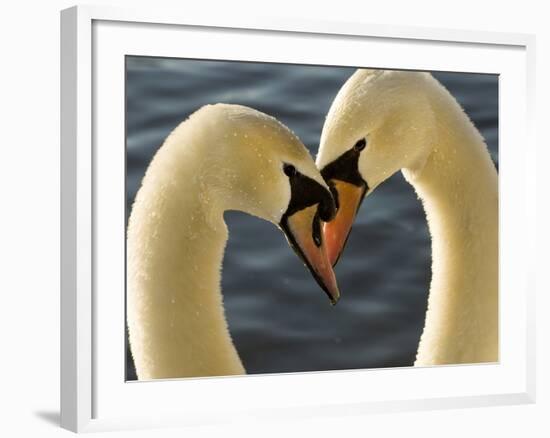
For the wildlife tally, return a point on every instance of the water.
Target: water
(279, 318)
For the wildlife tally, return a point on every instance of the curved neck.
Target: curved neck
(458, 187)
(176, 243)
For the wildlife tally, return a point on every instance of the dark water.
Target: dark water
(279, 318)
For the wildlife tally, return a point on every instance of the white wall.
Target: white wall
(29, 219)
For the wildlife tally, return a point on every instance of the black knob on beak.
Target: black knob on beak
(327, 207)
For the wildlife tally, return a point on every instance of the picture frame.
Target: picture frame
(94, 396)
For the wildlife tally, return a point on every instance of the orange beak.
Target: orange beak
(303, 231)
(336, 232)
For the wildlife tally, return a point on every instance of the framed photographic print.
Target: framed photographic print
(267, 208)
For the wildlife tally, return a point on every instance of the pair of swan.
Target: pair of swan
(229, 157)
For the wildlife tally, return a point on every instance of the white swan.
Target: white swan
(224, 157)
(383, 121)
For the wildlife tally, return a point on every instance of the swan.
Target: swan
(223, 157)
(383, 121)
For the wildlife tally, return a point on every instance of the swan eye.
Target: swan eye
(360, 145)
(289, 170)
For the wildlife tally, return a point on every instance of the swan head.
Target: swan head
(380, 122)
(259, 166)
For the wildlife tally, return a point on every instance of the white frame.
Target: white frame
(78, 197)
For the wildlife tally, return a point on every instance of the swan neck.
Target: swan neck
(176, 243)
(458, 187)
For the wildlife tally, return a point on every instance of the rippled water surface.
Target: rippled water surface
(279, 318)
